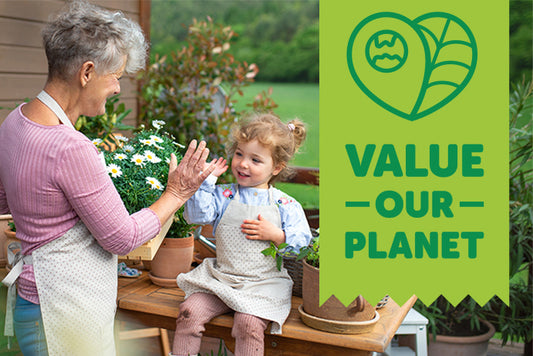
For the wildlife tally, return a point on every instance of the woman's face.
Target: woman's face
(101, 87)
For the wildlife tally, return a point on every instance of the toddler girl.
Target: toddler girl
(245, 216)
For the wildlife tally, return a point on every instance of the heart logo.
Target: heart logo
(412, 68)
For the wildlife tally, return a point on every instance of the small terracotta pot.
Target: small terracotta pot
(461, 345)
(332, 309)
(173, 257)
(11, 236)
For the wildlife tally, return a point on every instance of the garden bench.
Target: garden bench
(153, 306)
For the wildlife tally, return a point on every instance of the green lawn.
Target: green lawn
(294, 100)
(301, 101)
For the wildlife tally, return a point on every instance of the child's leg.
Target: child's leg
(249, 334)
(195, 311)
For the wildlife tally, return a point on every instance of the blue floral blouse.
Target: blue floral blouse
(209, 203)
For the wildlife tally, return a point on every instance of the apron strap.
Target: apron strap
(17, 261)
(236, 197)
(271, 195)
(50, 102)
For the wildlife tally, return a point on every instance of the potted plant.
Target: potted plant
(139, 169)
(175, 253)
(358, 311)
(332, 316)
(515, 321)
(447, 323)
(459, 330)
(10, 233)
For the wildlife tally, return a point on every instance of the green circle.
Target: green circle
(391, 50)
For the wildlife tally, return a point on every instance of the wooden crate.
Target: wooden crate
(148, 250)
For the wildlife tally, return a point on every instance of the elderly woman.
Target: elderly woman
(69, 217)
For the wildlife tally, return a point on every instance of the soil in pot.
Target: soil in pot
(173, 257)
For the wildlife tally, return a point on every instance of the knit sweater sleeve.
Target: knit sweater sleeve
(83, 178)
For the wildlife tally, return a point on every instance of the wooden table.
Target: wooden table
(141, 301)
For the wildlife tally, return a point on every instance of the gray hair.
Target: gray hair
(85, 32)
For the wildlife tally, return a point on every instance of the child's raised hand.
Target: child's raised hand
(220, 166)
(262, 229)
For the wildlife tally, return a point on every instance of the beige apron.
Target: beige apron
(241, 276)
(77, 285)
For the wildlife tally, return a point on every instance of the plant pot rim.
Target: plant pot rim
(468, 339)
(338, 326)
(178, 242)
(305, 263)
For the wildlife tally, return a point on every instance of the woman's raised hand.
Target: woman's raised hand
(184, 179)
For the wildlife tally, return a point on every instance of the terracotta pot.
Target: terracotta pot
(332, 309)
(10, 234)
(461, 345)
(173, 257)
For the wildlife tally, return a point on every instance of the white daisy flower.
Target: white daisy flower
(178, 144)
(97, 142)
(150, 156)
(167, 160)
(138, 159)
(158, 124)
(122, 138)
(147, 142)
(156, 139)
(114, 170)
(128, 148)
(154, 183)
(120, 156)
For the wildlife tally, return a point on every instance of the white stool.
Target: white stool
(414, 323)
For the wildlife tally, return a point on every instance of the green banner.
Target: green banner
(414, 150)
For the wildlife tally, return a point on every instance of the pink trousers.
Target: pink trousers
(200, 308)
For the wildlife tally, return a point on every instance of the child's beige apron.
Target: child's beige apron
(241, 276)
(77, 285)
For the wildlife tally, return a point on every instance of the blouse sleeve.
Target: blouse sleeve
(295, 225)
(87, 186)
(202, 207)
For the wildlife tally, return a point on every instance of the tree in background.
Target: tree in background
(281, 37)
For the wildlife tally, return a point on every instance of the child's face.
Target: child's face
(252, 165)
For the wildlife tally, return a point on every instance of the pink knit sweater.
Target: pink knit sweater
(50, 178)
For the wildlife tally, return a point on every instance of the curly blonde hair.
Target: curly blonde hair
(284, 140)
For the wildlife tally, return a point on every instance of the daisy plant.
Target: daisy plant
(139, 168)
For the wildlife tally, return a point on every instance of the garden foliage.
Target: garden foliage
(514, 321)
(193, 88)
